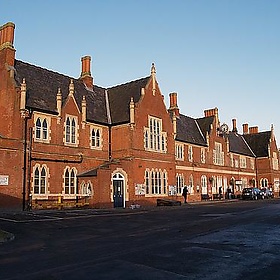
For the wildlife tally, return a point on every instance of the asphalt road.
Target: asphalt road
(234, 240)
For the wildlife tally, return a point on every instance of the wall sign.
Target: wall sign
(4, 180)
(140, 189)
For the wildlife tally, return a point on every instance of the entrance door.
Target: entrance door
(118, 187)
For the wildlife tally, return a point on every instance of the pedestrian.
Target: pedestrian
(220, 192)
(185, 193)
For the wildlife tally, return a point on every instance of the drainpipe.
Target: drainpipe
(26, 116)
(110, 142)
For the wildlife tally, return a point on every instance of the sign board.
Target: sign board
(4, 180)
(140, 189)
(238, 182)
(172, 190)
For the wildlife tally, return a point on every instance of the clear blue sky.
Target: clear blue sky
(213, 53)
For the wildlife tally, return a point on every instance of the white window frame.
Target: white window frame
(179, 151)
(42, 132)
(154, 137)
(70, 182)
(218, 154)
(71, 131)
(180, 183)
(96, 140)
(156, 182)
(243, 163)
(202, 155)
(190, 154)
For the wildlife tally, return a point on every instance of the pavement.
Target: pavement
(7, 236)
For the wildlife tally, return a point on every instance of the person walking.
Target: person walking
(185, 193)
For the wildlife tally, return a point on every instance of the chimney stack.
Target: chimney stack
(245, 128)
(173, 103)
(86, 74)
(253, 129)
(234, 128)
(6, 44)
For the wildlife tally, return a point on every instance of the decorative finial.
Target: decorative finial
(153, 69)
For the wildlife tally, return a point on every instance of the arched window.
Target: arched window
(73, 131)
(38, 128)
(70, 181)
(95, 137)
(203, 184)
(155, 182)
(70, 130)
(45, 129)
(179, 183)
(40, 180)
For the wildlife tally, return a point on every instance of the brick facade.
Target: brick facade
(68, 142)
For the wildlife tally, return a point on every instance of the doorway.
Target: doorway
(118, 190)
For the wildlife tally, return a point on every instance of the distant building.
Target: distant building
(65, 141)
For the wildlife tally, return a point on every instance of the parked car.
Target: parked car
(267, 193)
(252, 193)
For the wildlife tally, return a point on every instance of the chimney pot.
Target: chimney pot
(245, 128)
(234, 128)
(173, 103)
(86, 74)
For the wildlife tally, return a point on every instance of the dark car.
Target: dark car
(267, 193)
(252, 193)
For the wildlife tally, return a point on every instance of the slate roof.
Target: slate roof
(205, 124)
(238, 145)
(42, 87)
(119, 99)
(188, 130)
(259, 142)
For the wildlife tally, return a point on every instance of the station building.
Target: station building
(67, 142)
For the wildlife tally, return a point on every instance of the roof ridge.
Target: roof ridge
(127, 83)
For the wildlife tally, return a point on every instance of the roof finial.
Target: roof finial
(153, 69)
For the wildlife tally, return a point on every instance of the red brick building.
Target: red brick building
(65, 141)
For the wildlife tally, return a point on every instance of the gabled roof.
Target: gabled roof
(259, 142)
(188, 130)
(205, 124)
(42, 87)
(120, 96)
(238, 145)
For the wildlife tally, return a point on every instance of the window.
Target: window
(40, 180)
(190, 153)
(70, 181)
(156, 182)
(41, 129)
(95, 138)
(179, 151)
(218, 154)
(202, 155)
(252, 163)
(203, 184)
(86, 189)
(154, 137)
(263, 183)
(191, 187)
(274, 161)
(180, 183)
(71, 130)
(243, 162)
(231, 160)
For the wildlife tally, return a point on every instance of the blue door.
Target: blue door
(118, 188)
